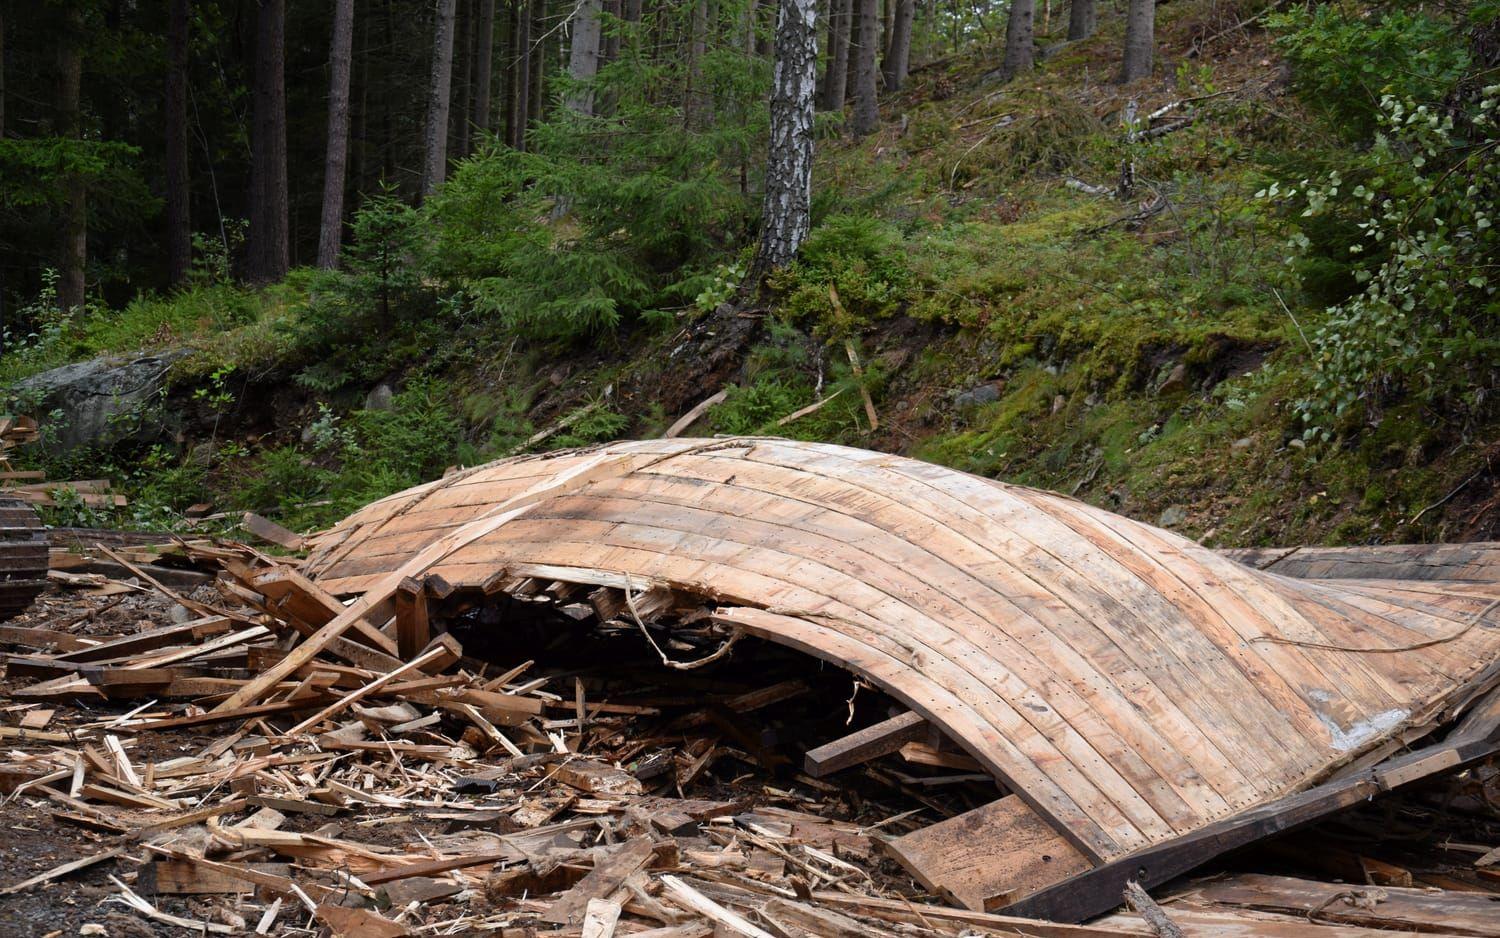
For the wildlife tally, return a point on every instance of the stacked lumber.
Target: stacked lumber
(29, 485)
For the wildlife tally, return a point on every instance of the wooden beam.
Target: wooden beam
(1099, 890)
(313, 607)
(872, 742)
(271, 532)
(413, 627)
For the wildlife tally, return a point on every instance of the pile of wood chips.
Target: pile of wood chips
(561, 814)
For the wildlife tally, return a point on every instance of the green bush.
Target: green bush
(1427, 323)
(862, 259)
(1345, 60)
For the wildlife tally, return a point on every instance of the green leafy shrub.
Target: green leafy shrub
(1427, 323)
(1345, 60)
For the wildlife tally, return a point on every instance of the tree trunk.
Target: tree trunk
(484, 64)
(179, 220)
(1018, 38)
(439, 91)
(836, 77)
(2, 72)
(697, 105)
(520, 84)
(537, 110)
(866, 112)
(786, 212)
(1081, 20)
(340, 58)
(73, 256)
(610, 51)
(898, 52)
(1140, 26)
(463, 52)
(583, 56)
(269, 251)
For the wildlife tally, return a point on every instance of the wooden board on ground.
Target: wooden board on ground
(989, 857)
(1457, 913)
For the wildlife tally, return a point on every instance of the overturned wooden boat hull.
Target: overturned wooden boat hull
(1127, 686)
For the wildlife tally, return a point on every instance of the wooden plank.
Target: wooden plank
(413, 629)
(151, 639)
(1098, 890)
(57, 872)
(345, 701)
(989, 857)
(188, 878)
(609, 873)
(271, 532)
(1424, 910)
(861, 746)
(42, 638)
(308, 603)
(1474, 562)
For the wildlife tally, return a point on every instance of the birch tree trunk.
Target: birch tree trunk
(1018, 37)
(1140, 28)
(340, 58)
(1082, 19)
(179, 222)
(836, 75)
(269, 250)
(484, 66)
(866, 111)
(73, 256)
(898, 51)
(439, 90)
(583, 55)
(786, 212)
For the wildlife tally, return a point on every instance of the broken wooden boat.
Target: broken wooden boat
(1142, 702)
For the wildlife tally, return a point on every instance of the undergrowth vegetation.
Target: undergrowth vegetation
(1287, 328)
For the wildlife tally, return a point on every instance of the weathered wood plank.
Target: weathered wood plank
(861, 746)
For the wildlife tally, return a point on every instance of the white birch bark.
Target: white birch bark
(786, 212)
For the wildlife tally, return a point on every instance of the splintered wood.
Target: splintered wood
(589, 694)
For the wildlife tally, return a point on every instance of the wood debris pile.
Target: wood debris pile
(431, 778)
(30, 485)
(544, 807)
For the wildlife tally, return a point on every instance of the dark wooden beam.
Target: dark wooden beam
(872, 742)
(1099, 890)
